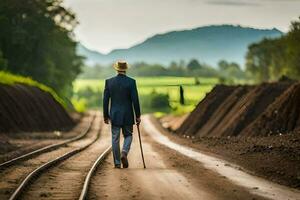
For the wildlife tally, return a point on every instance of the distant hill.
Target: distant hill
(208, 44)
(92, 57)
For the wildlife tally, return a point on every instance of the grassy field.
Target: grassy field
(167, 85)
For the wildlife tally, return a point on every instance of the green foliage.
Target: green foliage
(97, 71)
(36, 41)
(229, 72)
(140, 69)
(3, 62)
(261, 60)
(205, 71)
(197, 82)
(144, 69)
(272, 58)
(178, 109)
(92, 97)
(10, 79)
(193, 65)
(79, 105)
(293, 50)
(155, 102)
(159, 100)
(226, 80)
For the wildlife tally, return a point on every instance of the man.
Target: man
(124, 105)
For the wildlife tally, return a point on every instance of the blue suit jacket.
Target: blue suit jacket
(122, 94)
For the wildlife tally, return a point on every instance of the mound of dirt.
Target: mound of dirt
(229, 111)
(5, 145)
(26, 108)
(172, 122)
(224, 113)
(282, 116)
(205, 109)
(243, 109)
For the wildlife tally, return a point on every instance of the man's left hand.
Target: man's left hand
(106, 120)
(138, 120)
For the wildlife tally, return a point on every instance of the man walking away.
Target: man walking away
(120, 106)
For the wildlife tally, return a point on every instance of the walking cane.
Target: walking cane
(138, 128)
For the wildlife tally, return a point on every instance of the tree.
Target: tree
(173, 65)
(3, 62)
(293, 50)
(159, 100)
(230, 70)
(258, 60)
(272, 58)
(193, 65)
(197, 82)
(36, 40)
(176, 69)
(223, 65)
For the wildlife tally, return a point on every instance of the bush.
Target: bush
(197, 82)
(79, 105)
(93, 98)
(159, 101)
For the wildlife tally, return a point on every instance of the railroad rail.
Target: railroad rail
(35, 173)
(48, 148)
(87, 180)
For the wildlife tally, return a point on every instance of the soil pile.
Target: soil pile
(282, 116)
(205, 109)
(26, 109)
(172, 122)
(265, 120)
(224, 113)
(245, 111)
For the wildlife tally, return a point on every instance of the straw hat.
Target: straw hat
(121, 66)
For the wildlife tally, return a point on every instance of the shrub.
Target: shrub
(93, 98)
(79, 105)
(159, 101)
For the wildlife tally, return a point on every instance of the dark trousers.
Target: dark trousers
(127, 133)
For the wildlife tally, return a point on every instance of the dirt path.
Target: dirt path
(169, 175)
(234, 173)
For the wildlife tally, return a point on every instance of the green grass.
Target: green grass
(79, 105)
(170, 85)
(11, 79)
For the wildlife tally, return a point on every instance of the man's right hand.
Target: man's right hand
(138, 120)
(106, 120)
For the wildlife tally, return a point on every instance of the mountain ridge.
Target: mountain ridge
(208, 44)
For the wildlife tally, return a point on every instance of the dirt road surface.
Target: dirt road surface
(172, 173)
(169, 175)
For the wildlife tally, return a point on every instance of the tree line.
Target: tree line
(226, 71)
(36, 40)
(270, 59)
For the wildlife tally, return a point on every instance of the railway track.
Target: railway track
(47, 148)
(88, 178)
(21, 175)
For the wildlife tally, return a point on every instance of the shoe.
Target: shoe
(124, 160)
(118, 166)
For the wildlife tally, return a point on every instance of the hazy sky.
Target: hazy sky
(109, 24)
